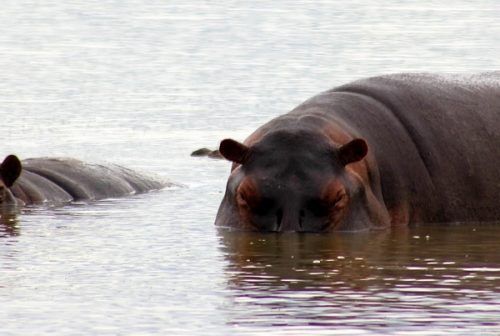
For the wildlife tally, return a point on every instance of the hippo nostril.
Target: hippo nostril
(279, 218)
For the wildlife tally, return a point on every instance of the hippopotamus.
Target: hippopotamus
(381, 152)
(210, 153)
(63, 180)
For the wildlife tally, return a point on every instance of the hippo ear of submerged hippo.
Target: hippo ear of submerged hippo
(352, 151)
(234, 151)
(10, 169)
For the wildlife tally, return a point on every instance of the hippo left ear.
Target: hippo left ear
(10, 169)
(353, 151)
(233, 151)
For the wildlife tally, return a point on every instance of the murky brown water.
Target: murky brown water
(142, 84)
(407, 280)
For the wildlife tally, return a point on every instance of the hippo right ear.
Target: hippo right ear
(353, 151)
(233, 151)
(10, 169)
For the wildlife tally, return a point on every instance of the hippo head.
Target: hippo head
(298, 181)
(10, 169)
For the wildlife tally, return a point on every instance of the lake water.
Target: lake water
(142, 84)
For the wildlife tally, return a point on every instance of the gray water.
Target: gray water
(142, 84)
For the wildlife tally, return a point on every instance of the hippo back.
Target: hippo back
(435, 138)
(59, 180)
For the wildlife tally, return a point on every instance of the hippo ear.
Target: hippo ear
(10, 169)
(233, 151)
(352, 151)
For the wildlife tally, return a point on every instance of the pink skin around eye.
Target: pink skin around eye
(246, 198)
(335, 196)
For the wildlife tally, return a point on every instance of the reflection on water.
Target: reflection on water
(366, 280)
(9, 226)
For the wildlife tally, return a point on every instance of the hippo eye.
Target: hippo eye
(317, 207)
(263, 206)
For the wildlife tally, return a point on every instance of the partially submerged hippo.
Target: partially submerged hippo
(58, 181)
(378, 152)
(213, 154)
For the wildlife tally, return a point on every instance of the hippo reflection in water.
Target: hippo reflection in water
(379, 152)
(58, 181)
